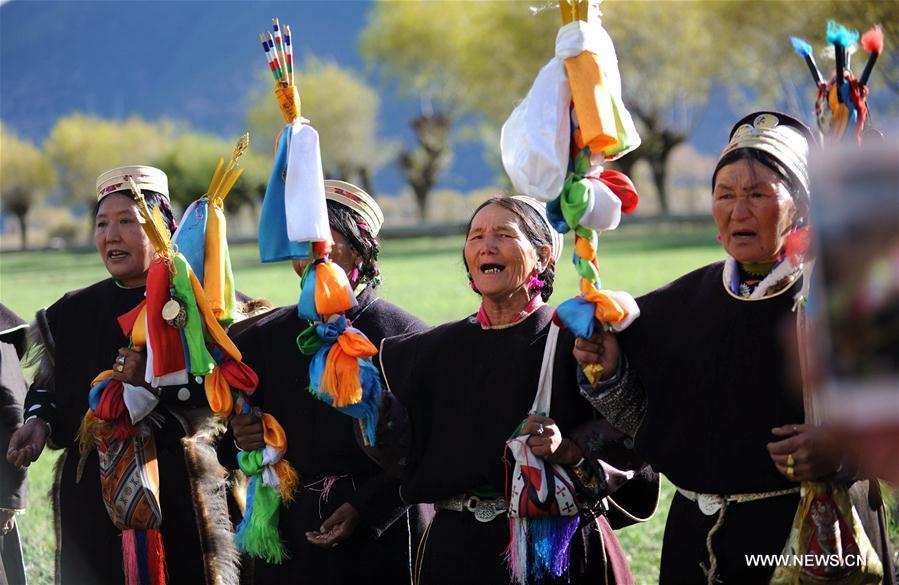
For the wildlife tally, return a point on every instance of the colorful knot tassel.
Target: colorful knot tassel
(143, 557)
(272, 482)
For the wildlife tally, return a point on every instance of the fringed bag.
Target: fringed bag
(543, 505)
(826, 528)
(129, 480)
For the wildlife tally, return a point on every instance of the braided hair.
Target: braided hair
(352, 227)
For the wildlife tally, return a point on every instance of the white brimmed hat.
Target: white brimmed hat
(149, 178)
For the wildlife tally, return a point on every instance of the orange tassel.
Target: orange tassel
(333, 293)
(340, 379)
(289, 479)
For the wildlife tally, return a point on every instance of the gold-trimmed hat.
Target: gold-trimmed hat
(782, 136)
(556, 241)
(149, 178)
(358, 200)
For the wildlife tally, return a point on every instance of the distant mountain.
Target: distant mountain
(194, 61)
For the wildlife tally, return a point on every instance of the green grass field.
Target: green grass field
(424, 275)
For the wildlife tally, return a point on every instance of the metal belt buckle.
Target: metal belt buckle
(484, 511)
(709, 504)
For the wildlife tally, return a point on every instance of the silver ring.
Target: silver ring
(120, 360)
(540, 430)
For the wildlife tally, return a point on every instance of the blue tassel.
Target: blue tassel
(577, 314)
(837, 33)
(141, 550)
(368, 408)
(802, 48)
(550, 540)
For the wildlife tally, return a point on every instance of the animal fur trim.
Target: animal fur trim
(57, 524)
(208, 485)
(41, 351)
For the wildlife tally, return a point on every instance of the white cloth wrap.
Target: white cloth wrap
(270, 456)
(629, 304)
(604, 210)
(139, 401)
(535, 139)
(304, 190)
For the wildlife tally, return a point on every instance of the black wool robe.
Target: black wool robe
(81, 337)
(716, 372)
(465, 390)
(720, 372)
(321, 446)
(12, 479)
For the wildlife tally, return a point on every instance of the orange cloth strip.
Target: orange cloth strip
(214, 262)
(273, 433)
(592, 102)
(139, 331)
(218, 393)
(212, 325)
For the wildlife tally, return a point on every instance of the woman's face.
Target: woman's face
(753, 210)
(498, 254)
(342, 253)
(124, 247)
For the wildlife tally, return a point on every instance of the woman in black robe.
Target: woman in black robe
(347, 523)
(458, 392)
(80, 336)
(705, 379)
(12, 479)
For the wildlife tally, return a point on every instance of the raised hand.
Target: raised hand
(248, 432)
(602, 348)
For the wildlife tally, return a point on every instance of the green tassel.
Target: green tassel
(260, 538)
(201, 362)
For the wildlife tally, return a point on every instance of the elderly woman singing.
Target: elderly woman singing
(704, 380)
(483, 418)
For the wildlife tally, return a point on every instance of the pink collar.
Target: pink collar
(535, 303)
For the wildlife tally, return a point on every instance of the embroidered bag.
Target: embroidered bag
(543, 505)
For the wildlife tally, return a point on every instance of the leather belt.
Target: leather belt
(484, 510)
